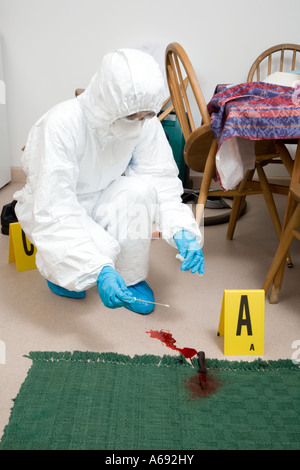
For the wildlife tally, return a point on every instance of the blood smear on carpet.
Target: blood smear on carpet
(167, 338)
(193, 384)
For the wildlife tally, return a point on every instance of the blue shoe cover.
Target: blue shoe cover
(64, 292)
(143, 292)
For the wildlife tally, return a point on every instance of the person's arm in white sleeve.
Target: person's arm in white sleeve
(153, 160)
(71, 247)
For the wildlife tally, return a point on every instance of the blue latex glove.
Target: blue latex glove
(114, 293)
(112, 289)
(190, 251)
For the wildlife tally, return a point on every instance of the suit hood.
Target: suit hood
(128, 81)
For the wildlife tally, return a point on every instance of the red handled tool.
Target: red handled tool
(202, 369)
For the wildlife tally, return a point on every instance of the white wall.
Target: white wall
(5, 171)
(51, 47)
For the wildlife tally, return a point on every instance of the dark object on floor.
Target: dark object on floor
(8, 216)
(202, 369)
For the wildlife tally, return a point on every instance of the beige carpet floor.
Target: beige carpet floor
(32, 318)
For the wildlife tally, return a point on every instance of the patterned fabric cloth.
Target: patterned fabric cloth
(255, 111)
(243, 113)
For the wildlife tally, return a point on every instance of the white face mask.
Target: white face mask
(125, 129)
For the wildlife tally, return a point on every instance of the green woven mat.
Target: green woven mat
(85, 400)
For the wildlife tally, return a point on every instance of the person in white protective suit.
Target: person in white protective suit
(100, 172)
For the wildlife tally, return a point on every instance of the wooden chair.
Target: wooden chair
(201, 147)
(282, 57)
(286, 61)
(288, 234)
(279, 58)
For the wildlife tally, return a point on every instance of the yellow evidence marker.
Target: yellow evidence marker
(20, 250)
(242, 322)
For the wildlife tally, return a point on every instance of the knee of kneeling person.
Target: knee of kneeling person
(142, 192)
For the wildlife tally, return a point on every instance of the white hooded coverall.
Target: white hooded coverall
(79, 176)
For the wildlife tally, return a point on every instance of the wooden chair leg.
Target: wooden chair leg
(237, 205)
(282, 249)
(206, 181)
(278, 278)
(271, 205)
(285, 157)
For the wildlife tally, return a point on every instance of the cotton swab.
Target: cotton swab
(149, 302)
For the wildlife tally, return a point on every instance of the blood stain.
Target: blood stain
(193, 384)
(195, 389)
(167, 338)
